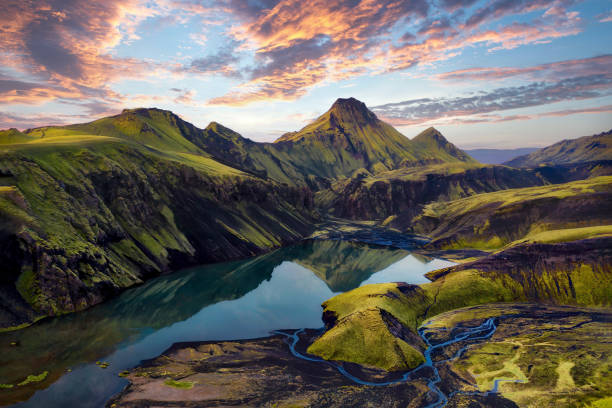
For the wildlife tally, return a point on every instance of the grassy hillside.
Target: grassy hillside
(362, 324)
(346, 138)
(11, 136)
(86, 215)
(349, 137)
(583, 149)
(432, 147)
(156, 128)
(538, 214)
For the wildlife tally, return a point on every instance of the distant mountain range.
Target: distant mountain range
(498, 156)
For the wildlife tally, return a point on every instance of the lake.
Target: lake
(235, 300)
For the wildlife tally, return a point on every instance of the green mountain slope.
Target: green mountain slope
(349, 137)
(552, 213)
(432, 147)
(375, 325)
(156, 128)
(10, 136)
(85, 216)
(583, 149)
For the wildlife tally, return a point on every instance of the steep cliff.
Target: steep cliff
(402, 193)
(83, 220)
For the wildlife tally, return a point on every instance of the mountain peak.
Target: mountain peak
(147, 112)
(351, 109)
(431, 133)
(433, 140)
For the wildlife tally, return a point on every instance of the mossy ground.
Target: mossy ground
(104, 205)
(546, 214)
(355, 335)
(549, 359)
(183, 385)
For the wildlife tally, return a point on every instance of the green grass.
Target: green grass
(360, 336)
(582, 149)
(507, 197)
(565, 235)
(34, 378)
(365, 340)
(182, 385)
(546, 214)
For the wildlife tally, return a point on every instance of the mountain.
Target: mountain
(346, 138)
(88, 210)
(432, 147)
(583, 149)
(152, 127)
(349, 137)
(498, 156)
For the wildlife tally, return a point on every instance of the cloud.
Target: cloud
(64, 46)
(184, 96)
(298, 45)
(495, 118)
(28, 121)
(534, 94)
(605, 18)
(560, 69)
(223, 62)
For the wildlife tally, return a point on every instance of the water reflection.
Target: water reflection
(283, 289)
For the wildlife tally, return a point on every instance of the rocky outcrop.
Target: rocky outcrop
(404, 195)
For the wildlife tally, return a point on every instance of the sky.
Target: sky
(497, 74)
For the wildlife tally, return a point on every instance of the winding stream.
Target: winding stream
(481, 332)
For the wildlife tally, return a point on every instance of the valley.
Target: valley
(426, 262)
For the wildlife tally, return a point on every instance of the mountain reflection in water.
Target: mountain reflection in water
(242, 299)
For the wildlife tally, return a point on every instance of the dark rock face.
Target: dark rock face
(85, 237)
(405, 197)
(400, 331)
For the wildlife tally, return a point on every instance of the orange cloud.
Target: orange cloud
(293, 38)
(65, 47)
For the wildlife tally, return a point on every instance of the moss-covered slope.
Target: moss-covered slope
(349, 137)
(562, 212)
(575, 273)
(83, 220)
(583, 149)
